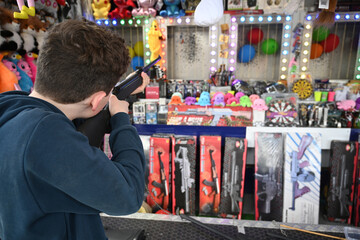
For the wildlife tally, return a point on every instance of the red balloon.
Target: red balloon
(254, 36)
(330, 43)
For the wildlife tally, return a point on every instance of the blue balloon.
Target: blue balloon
(246, 53)
(137, 62)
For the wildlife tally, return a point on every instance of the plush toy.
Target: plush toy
(24, 10)
(245, 101)
(122, 9)
(27, 32)
(232, 102)
(24, 66)
(204, 99)
(253, 97)
(25, 81)
(101, 8)
(190, 101)
(357, 104)
(228, 96)
(218, 99)
(40, 31)
(172, 9)
(30, 59)
(176, 100)
(146, 8)
(155, 37)
(346, 105)
(238, 95)
(259, 105)
(10, 31)
(8, 79)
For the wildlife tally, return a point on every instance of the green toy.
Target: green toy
(320, 34)
(269, 46)
(245, 101)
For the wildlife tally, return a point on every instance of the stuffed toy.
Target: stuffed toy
(24, 66)
(172, 9)
(155, 37)
(30, 59)
(25, 81)
(27, 32)
(40, 30)
(101, 8)
(146, 8)
(24, 10)
(8, 79)
(208, 12)
(122, 9)
(10, 29)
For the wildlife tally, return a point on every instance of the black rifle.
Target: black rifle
(163, 185)
(232, 185)
(215, 183)
(96, 127)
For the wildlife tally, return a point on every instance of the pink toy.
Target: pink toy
(30, 59)
(146, 8)
(12, 67)
(259, 105)
(253, 97)
(25, 67)
(228, 96)
(218, 99)
(346, 105)
(232, 101)
(238, 95)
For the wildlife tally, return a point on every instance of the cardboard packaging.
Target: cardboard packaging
(159, 173)
(233, 177)
(139, 116)
(269, 161)
(344, 158)
(183, 174)
(210, 175)
(302, 170)
(151, 113)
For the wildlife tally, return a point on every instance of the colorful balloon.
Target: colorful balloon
(316, 50)
(246, 53)
(131, 52)
(137, 62)
(330, 43)
(255, 36)
(320, 34)
(269, 46)
(139, 48)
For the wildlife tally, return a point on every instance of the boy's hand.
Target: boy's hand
(116, 105)
(146, 81)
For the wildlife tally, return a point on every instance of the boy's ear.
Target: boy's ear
(95, 99)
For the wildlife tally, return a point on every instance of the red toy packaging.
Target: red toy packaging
(183, 174)
(233, 177)
(210, 170)
(159, 173)
(344, 158)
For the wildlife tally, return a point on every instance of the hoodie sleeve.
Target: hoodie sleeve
(66, 174)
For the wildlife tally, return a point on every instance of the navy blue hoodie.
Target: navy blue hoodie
(53, 184)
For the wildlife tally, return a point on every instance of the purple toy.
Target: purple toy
(218, 99)
(238, 95)
(357, 103)
(190, 101)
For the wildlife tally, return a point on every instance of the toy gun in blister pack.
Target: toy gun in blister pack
(271, 188)
(96, 127)
(186, 180)
(215, 183)
(342, 191)
(163, 185)
(219, 113)
(298, 171)
(233, 186)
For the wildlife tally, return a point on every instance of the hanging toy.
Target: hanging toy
(303, 88)
(101, 8)
(24, 10)
(327, 16)
(155, 38)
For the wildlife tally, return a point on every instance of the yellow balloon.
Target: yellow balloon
(139, 49)
(131, 52)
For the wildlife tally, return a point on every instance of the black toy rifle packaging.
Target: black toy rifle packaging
(159, 173)
(344, 158)
(183, 174)
(233, 177)
(269, 161)
(210, 175)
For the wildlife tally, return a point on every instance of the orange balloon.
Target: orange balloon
(316, 50)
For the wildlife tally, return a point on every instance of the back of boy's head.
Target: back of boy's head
(79, 58)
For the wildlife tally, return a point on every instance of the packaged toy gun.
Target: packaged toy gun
(96, 127)
(186, 180)
(270, 188)
(215, 183)
(163, 185)
(233, 188)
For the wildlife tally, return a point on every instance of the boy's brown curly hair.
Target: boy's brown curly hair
(79, 58)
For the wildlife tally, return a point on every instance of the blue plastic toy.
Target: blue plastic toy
(172, 9)
(204, 99)
(246, 53)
